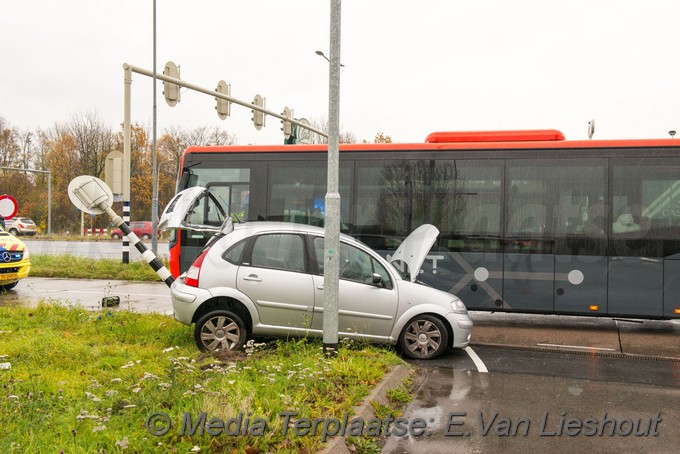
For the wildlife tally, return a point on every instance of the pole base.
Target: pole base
(330, 350)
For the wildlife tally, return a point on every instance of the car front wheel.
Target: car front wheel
(220, 330)
(115, 236)
(14, 232)
(424, 337)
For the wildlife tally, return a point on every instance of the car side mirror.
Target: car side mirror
(377, 279)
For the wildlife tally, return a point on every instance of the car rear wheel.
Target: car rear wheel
(14, 232)
(424, 337)
(115, 236)
(220, 330)
(146, 236)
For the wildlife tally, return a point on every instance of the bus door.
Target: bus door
(644, 199)
(556, 236)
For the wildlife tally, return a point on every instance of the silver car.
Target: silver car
(266, 279)
(21, 226)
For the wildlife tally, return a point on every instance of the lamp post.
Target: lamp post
(154, 196)
(331, 278)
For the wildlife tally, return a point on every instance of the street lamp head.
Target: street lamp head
(318, 52)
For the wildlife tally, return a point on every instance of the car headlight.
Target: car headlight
(458, 307)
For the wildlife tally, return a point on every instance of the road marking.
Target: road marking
(578, 347)
(477, 360)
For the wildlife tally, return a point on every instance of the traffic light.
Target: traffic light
(258, 117)
(287, 125)
(223, 106)
(170, 90)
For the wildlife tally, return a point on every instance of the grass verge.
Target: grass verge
(86, 382)
(75, 267)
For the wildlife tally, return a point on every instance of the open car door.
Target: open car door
(196, 209)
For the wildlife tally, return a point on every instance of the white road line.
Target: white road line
(477, 360)
(577, 347)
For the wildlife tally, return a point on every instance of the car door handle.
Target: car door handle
(252, 277)
(320, 287)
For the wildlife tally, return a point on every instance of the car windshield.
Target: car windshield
(399, 272)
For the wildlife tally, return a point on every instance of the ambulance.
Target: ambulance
(15, 261)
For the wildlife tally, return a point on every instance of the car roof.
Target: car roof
(256, 227)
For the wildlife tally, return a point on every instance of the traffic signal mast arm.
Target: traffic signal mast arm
(216, 94)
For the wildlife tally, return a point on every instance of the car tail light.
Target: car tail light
(191, 278)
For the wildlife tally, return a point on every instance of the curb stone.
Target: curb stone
(393, 379)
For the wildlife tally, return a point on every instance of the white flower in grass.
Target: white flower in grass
(169, 349)
(116, 380)
(164, 385)
(92, 396)
(195, 449)
(129, 364)
(149, 376)
(99, 428)
(136, 390)
(123, 443)
(111, 392)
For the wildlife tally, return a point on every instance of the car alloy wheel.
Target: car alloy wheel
(423, 337)
(220, 330)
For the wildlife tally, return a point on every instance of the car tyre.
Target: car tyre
(424, 337)
(220, 330)
(115, 236)
(14, 232)
(146, 236)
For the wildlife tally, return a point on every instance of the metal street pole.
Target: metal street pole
(126, 157)
(331, 280)
(154, 197)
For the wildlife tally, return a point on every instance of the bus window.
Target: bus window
(561, 201)
(646, 204)
(459, 197)
(297, 191)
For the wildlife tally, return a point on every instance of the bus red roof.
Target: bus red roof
(530, 135)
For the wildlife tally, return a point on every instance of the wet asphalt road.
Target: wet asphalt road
(544, 401)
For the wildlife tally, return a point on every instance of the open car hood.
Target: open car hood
(413, 250)
(196, 209)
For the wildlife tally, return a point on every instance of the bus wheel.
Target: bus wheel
(424, 337)
(220, 330)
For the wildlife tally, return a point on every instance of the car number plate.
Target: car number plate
(8, 276)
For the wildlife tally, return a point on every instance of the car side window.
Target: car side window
(235, 253)
(355, 264)
(279, 251)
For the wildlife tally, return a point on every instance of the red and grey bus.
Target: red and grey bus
(529, 221)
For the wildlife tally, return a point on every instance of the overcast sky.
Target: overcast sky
(410, 67)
